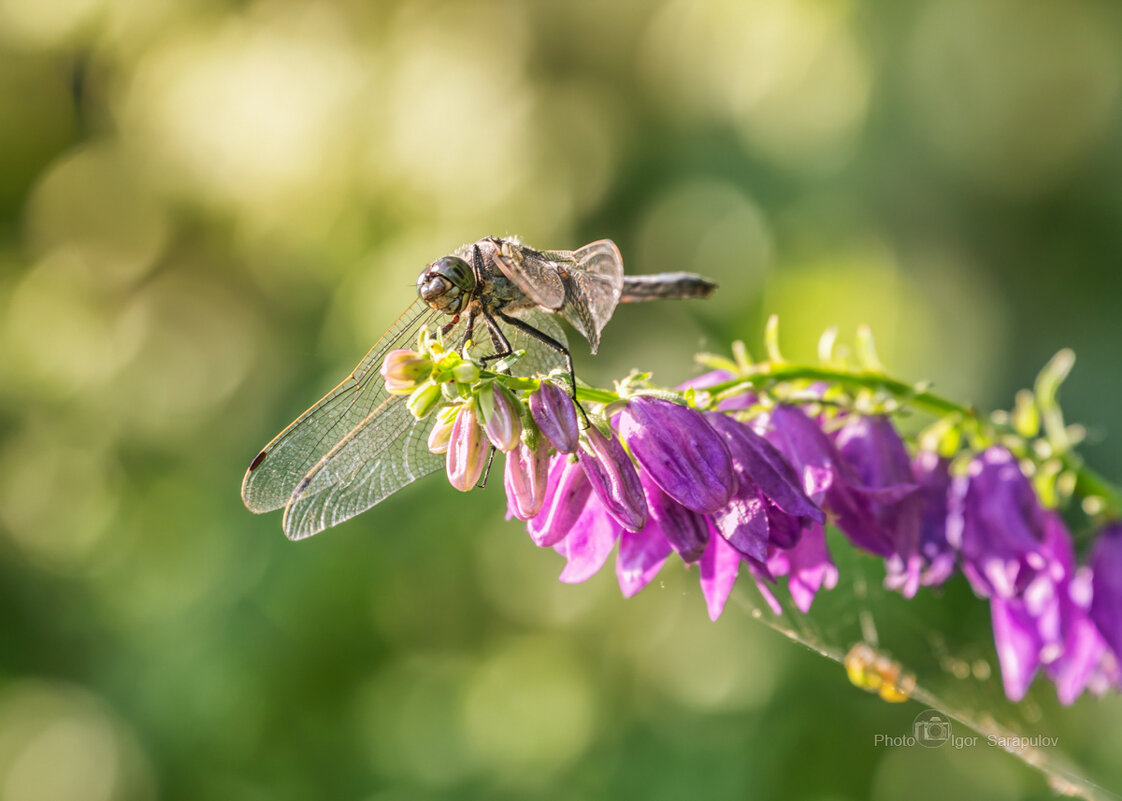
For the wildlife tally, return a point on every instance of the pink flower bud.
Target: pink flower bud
(501, 419)
(404, 370)
(467, 450)
(441, 433)
(556, 417)
(526, 479)
(614, 479)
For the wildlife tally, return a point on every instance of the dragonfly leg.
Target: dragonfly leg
(470, 328)
(487, 471)
(498, 339)
(557, 346)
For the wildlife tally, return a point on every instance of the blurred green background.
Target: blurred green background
(210, 210)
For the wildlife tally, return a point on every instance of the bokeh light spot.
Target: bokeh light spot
(59, 743)
(1014, 95)
(90, 203)
(529, 709)
(32, 23)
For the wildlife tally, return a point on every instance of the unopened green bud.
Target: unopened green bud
(442, 430)
(465, 372)
(424, 399)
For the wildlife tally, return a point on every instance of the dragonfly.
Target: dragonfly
(359, 444)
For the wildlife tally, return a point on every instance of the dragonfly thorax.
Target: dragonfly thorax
(446, 284)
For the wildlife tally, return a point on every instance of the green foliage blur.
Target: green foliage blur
(210, 210)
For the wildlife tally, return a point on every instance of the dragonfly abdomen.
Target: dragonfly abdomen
(637, 288)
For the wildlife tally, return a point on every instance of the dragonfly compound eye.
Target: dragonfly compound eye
(446, 284)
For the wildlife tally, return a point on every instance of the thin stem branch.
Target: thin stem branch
(1088, 483)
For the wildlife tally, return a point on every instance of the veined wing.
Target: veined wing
(279, 467)
(389, 448)
(593, 279)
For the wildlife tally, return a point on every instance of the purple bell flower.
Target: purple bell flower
(827, 478)
(685, 530)
(769, 504)
(683, 455)
(641, 555)
(996, 523)
(870, 445)
(807, 565)
(743, 521)
(1106, 600)
(565, 496)
(1076, 656)
(937, 557)
(1047, 626)
(1018, 643)
(614, 479)
(800, 439)
(555, 416)
(718, 569)
(589, 542)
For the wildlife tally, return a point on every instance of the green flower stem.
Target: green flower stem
(586, 393)
(1088, 483)
(919, 399)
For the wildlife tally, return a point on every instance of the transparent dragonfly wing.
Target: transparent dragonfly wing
(282, 464)
(388, 449)
(593, 279)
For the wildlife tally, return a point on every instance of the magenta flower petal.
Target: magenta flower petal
(555, 416)
(1082, 663)
(680, 451)
(996, 522)
(764, 579)
(808, 567)
(800, 439)
(565, 497)
(589, 543)
(871, 447)
(743, 520)
(614, 479)
(1047, 625)
(718, 569)
(769, 470)
(1018, 645)
(641, 555)
(526, 480)
(938, 558)
(687, 531)
(1106, 601)
(783, 530)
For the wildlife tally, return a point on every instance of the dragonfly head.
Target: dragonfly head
(446, 284)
